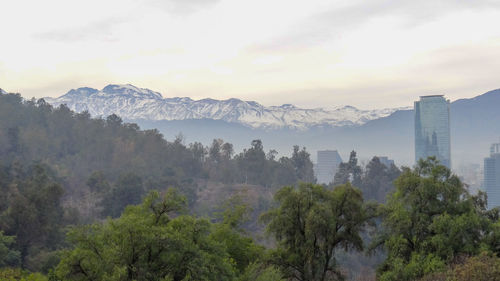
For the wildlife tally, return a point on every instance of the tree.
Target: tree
(147, 243)
(198, 151)
(8, 256)
(114, 121)
(227, 151)
(303, 164)
(13, 138)
(218, 162)
(284, 172)
(261, 272)
(311, 224)
(428, 221)
(253, 164)
(377, 182)
(16, 274)
(128, 191)
(34, 216)
(241, 249)
(349, 172)
(483, 267)
(214, 152)
(98, 183)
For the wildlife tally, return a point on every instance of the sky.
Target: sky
(315, 53)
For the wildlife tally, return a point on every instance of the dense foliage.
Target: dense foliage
(375, 181)
(429, 220)
(32, 213)
(147, 243)
(483, 267)
(154, 241)
(311, 224)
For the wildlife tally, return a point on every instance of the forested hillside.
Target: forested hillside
(118, 159)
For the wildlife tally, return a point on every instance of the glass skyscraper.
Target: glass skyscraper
(432, 129)
(492, 176)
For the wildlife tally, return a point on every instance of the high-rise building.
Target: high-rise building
(327, 165)
(432, 129)
(492, 176)
(386, 161)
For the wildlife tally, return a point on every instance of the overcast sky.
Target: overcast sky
(370, 54)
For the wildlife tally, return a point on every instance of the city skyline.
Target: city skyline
(369, 55)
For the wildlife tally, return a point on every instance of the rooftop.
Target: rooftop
(431, 96)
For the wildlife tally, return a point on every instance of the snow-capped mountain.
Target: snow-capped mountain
(133, 103)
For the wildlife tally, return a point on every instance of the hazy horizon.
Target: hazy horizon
(315, 54)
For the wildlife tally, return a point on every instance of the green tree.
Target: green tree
(127, 191)
(98, 183)
(35, 215)
(428, 221)
(283, 172)
(311, 224)
(218, 163)
(229, 232)
(261, 272)
(349, 172)
(253, 164)
(483, 267)
(147, 243)
(16, 274)
(8, 256)
(378, 180)
(303, 164)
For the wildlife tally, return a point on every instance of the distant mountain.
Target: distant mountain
(135, 103)
(2, 91)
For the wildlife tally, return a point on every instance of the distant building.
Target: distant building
(471, 174)
(327, 165)
(432, 129)
(386, 161)
(492, 176)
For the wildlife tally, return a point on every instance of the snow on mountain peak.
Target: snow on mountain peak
(86, 91)
(288, 106)
(133, 103)
(131, 90)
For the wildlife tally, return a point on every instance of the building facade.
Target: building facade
(327, 166)
(386, 161)
(432, 129)
(492, 176)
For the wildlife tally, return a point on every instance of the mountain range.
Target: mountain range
(475, 123)
(133, 103)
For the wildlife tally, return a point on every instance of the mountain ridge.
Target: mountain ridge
(134, 103)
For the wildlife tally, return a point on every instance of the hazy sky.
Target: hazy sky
(367, 53)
